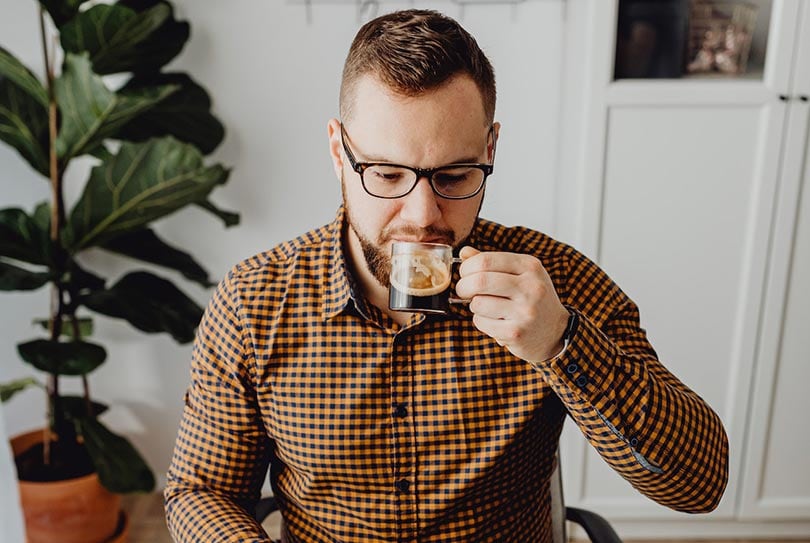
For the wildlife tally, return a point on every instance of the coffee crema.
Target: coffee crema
(419, 274)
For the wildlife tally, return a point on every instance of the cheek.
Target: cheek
(461, 215)
(373, 214)
(384, 213)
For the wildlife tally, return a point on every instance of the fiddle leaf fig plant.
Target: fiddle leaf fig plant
(148, 136)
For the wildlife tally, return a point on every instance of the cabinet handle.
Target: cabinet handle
(804, 98)
(784, 97)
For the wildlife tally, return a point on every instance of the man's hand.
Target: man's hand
(513, 301)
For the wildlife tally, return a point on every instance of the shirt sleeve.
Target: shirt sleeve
(222, 452)
(645, 423)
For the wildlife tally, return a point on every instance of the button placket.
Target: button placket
(400, 410)
(403, 485)
(402, 430)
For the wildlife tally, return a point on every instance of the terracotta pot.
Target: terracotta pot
(122, 531)
(76, 510)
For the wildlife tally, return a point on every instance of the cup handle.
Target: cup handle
(458, 260)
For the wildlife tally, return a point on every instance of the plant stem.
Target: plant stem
(57, 210)
(85, 384)
(55, 415)
(53, 380)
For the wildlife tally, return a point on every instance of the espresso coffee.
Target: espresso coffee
(420, 281)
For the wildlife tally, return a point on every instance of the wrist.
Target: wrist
(571, 322)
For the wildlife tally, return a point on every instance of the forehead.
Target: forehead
(432, 126)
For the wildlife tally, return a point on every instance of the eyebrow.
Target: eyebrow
(382, 160)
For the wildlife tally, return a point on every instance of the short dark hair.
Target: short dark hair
(413, 51)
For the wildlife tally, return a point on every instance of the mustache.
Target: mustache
(445, 235)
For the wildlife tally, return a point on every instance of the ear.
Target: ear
(335, 146)
(496, 129)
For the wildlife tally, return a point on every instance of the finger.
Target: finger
(491, 261)
(498, 284)
(492, 307)
(502, 331)
(468, 251)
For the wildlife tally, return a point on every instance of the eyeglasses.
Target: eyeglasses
(385, 180)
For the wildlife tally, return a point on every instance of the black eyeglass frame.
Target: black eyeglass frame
(428, 173)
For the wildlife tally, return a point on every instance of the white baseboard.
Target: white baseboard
(702, 529)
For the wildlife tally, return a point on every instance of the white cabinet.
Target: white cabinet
(777, 465)
(693, 194)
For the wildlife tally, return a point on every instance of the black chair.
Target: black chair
(598, 529)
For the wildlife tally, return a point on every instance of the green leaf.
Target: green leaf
(101, 152)
(137, 36)
(228, 217)
(85, 326)
(112, 35)
(186, 114)
(119, 466)
(42, 217)
(61, 11)
(81, 280)
(142, 183)
(8, 390)
(16, 72)
(23, 112)
(149, 303)
(163, 44)
(75, 407)
(73, 358)
(22, 237)
(145, 245)
(90, 111)
(15, 278)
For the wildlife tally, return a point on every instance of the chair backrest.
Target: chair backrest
(557, 504)
(596, 527)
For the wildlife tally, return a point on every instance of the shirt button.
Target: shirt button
(571, 369)
(582, 381)
(402, 485)
(400, 410)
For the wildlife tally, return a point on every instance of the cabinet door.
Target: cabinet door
(688, 192)
(677, 205)
(777, 472)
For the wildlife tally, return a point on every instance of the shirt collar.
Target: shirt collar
(339, 283)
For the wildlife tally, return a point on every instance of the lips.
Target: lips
(427, 240)
(429, 234)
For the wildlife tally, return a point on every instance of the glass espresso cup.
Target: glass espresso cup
(420, 277)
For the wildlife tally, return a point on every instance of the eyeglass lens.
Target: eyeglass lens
(390, 181)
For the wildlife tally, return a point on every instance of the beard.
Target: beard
(377, 257)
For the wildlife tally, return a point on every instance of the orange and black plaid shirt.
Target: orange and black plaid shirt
(425, 432)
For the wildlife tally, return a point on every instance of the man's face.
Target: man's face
(443, 126)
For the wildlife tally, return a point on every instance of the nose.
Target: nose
(420, 207)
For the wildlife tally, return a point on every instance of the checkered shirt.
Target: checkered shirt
(427, 432)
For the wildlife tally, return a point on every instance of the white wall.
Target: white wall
(11, 518)
(273, 73)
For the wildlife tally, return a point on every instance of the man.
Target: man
(387, 426)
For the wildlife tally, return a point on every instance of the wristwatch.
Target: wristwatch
(568, 336)
(570, 328)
